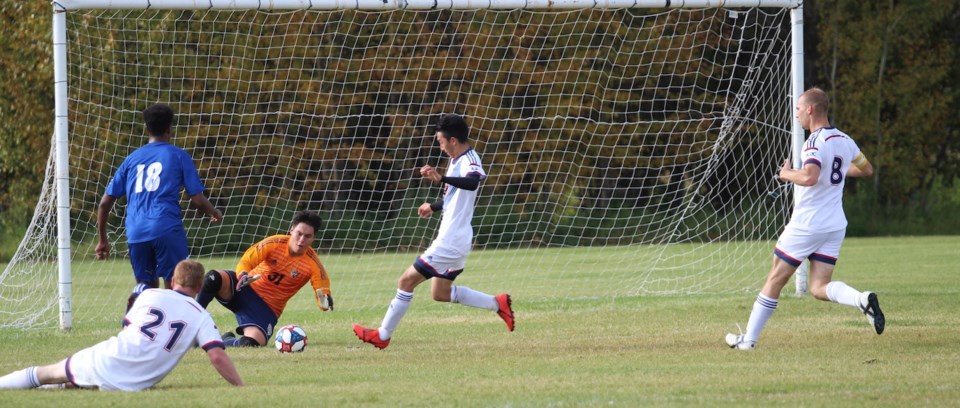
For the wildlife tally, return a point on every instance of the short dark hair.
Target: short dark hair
(158, 118)
(307, 217)
(453, 126)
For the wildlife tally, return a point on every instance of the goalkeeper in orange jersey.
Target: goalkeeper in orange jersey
(267, 276)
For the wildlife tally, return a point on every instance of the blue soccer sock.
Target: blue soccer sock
(234, 342)
(242, 341)
(137, 290)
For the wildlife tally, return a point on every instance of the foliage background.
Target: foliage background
(890, 67)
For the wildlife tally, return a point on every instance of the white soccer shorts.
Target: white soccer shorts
(795, 246)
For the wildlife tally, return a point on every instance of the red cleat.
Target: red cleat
(371, 336)
(505, 312)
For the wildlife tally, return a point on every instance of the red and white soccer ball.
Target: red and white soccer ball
(291, 339)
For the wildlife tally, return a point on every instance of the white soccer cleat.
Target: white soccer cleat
(736, 341)
(870, 307)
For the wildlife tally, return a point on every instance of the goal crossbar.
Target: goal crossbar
(413, 4)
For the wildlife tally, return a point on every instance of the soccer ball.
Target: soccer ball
(291, 339)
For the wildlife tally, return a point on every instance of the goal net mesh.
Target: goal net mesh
(629, 152)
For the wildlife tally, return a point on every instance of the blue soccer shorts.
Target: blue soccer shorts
(155, 259)
(251, 310)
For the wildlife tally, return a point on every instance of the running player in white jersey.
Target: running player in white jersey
(161, 326)
(446, 257)
(818, 224)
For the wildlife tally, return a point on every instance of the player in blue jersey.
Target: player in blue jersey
(151, 178)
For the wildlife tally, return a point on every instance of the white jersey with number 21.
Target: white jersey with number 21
(160, 328)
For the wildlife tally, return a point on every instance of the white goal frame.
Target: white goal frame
(62, 125)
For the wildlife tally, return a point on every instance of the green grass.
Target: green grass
(591, 351)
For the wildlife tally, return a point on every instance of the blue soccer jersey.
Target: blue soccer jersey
(151, 178)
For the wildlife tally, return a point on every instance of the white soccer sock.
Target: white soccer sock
(26, 378)
(469, 297)
(763, 308)
(398, 308)
(841, 293)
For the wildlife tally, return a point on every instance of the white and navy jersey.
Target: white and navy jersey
(819, 208)
(159, 329)
(456, 230)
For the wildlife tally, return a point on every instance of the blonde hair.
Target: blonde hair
(188, 274)
(817, 98)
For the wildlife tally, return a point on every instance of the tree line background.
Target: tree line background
(890, 67)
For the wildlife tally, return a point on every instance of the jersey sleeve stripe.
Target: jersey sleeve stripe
(272, 240)
(813, 161)
(213, 344)
(316, 260)
(70, 377)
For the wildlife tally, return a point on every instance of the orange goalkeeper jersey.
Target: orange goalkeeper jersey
(282, 275)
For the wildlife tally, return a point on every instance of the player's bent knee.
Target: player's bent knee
(212, 282)
(819, 294)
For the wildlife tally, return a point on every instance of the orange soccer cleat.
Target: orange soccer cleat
(371, 336)
(505, 311)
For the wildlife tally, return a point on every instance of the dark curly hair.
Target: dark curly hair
(308, 218)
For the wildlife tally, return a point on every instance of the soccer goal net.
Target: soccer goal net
(629, 151)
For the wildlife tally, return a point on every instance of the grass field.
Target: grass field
(586, 351)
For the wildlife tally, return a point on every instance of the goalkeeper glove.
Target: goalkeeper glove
(326, 301)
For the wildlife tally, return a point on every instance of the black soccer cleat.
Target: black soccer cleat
(871, 308)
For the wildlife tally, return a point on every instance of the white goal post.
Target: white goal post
(630, 144)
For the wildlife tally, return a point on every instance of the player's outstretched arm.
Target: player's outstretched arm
(324, 300)
(320, 280)
(103, 217)
(221, 361)
(201, 202)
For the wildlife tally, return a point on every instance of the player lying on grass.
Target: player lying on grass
(161, 326)
(269, 274)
